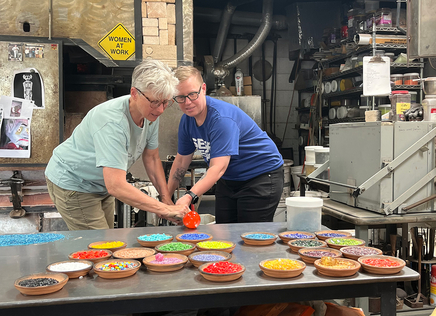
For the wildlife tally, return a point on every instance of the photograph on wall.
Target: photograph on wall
(28, 85)
(15, 52)
(15, 127)
(33, 51)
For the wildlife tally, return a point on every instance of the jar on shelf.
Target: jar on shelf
(354, 62)
(360, 23)
(335, 36)
(379, 52)
(429, 107)
(400, 102)
(384, 17)
(391, 56)
(411, 79)
(413, 96)
(370, 17)
(384, 108)
(397, 79)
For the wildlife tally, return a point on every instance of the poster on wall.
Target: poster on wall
(15, 52)
(28, 85)
(33, 51)
(15, 127)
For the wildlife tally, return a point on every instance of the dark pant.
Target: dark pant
(254, 200)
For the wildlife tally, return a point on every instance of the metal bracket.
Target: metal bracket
(395, 163)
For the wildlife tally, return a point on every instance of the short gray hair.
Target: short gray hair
(155, 77)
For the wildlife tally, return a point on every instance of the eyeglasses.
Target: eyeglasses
(156, 103)
(191, 96)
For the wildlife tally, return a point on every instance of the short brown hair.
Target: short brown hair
(185, 72)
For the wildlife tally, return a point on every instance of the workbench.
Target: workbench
(184, 289)
(362, 219)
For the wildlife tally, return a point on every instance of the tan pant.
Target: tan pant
(82, 211)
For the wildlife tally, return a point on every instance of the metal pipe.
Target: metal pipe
(222, 32)
(50, 17)
(258, 39)
(211, 15)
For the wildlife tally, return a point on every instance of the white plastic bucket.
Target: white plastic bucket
(304, 213)
(310, 153)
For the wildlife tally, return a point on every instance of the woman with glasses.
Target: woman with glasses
(243, 161)
(88, 171)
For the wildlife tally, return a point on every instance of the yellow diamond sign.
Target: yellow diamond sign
(119, 44)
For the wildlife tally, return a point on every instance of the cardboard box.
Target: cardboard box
(232, 90)
(248, 90)
(247, 81)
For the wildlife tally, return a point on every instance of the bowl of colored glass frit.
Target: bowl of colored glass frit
(310, 255)
(41, 283)
(337, 267)
(73, 268)
(198, 258)
(152, 240)
(183, 248)
(326, 234)
(165, 262)
(355, 252)
(282, 267)
(298, 244)
(339, 242)
(112, 245)
(292, 235)
(193, 237)
(116, 268)
(259, 238)
(91, 255)
(137, 253)
(221, 271)
(221, 245)
(379, 264)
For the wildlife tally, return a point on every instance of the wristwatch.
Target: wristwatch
(193, 195)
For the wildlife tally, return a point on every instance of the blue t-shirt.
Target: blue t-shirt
(229, 131)
(106, 137)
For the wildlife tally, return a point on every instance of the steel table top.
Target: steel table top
(186, 288)
(358, 216)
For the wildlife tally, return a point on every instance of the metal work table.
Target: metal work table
(362, 219)
(184, 289)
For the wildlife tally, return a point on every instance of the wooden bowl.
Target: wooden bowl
(88, 251)
(320, 234)
(134, 253)
(328, 271)
(381, 270)
(327, 252)
(72, 274)
(258, 242)
(359, 251)
(193, 241)
(95, 245)
(282, 274)
(186, 252)
(154, 243)
(286, 239)
(294, 248)
(165, 267)
(220, 277)
(228, 249)
(226, 257)
(62, 278)
(116, 274)
(330, 243)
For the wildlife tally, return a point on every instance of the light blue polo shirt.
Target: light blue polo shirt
(106, 137)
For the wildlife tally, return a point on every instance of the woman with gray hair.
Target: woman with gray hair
(88, 171)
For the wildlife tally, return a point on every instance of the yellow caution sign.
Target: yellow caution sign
(119, 44)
